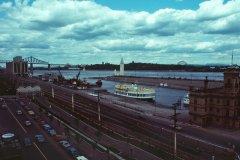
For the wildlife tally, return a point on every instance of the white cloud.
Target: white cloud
(86, 32)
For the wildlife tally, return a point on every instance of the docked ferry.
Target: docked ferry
(186, 100)
(135, 91)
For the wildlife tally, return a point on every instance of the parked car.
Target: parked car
(36, 117)
(73, 151)
(59, 137)
(177, 127)
(40, 138)
(81, 158)
(27, 123)
(27, 142)
(31, 113)
(19, 112)
(4, 106)
(46, 127)
(65, 143)
(27, 108)
(52, 132)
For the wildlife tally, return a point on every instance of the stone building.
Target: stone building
(217, 106)
(17, 67)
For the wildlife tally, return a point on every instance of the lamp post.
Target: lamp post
(99, 115)
(52, 92)
(72, 102)
(174, 117)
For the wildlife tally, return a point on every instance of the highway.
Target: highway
(10, 121)
(205, 142)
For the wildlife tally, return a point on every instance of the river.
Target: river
(164, 96)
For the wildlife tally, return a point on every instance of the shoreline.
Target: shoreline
(174, 83)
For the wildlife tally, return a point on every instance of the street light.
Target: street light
(73, 102)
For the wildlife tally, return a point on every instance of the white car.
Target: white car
(81, 158)
(19, 112)
(27, 123)
(31, 113)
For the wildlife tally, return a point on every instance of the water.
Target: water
(164, 96)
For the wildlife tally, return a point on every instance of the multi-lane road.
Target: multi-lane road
(14, 123)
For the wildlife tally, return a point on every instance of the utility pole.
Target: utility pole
(99, 116)
(174, 117)
(72, 102)
(175, 134)
(52, 92)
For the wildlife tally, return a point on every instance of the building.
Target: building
(217, 106)
(17, 67)
(121, 72)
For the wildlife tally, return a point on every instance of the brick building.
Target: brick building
(217, 106)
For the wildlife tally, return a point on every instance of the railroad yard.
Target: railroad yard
(104, 126)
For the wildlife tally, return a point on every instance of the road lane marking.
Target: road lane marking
(40, 151)
(17, 121)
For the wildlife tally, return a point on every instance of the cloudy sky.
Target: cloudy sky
(96, 31)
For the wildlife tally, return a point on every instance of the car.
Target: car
(4, 106)
(31, 113)
(177, 127)
(65, 143)
(40, 138)
(36, 117)
(73, 151)
(27, 142)
(59, 137)
(27, 123)
(52, 132)
(81, 158)
(19, 112)
(27, 108)
(46, 127)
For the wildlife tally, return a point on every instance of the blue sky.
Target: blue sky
(149, 5)
(152, 31)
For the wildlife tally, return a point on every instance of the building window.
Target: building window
(195, 108)
(211, 100)
(218, 110)
(194, 118)
(210, 109)
(195, 101)
(227, 103)
(218, 101)
(217, 119)
(227, 113)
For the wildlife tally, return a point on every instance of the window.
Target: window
(227, 103)
(195, 101)
(195, 108)
(218, 110)
(194, 118)
(218, 101)
(210, 109)
(227, 113)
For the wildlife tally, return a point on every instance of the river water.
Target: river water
(164, 96)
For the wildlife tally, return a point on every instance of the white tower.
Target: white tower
(121, 73)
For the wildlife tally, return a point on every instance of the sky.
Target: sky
(96, 31)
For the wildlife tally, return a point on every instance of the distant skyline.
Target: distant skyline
(96, 31)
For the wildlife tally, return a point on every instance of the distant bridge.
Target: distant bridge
(32, 60)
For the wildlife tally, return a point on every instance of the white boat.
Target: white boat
(134, 91)
(186, 100)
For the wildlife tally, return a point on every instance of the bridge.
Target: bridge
(32, 60)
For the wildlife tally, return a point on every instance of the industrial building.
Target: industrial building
(17, 67)
(217, 106)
